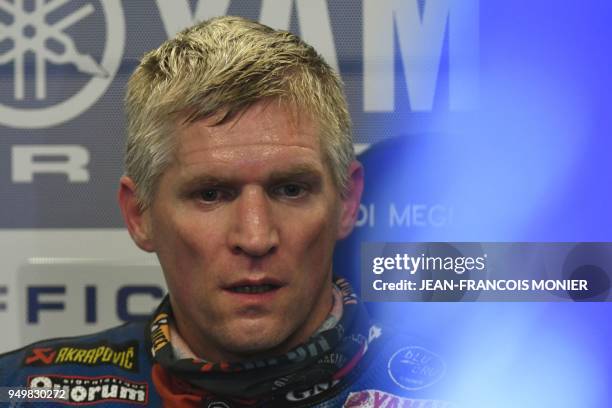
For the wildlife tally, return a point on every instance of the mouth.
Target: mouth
(252, 286)
(253, 289)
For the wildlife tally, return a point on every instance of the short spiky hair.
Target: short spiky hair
(224, 65)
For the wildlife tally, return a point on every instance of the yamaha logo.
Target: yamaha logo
(50, 36)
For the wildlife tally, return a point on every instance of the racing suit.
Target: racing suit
(354, 363)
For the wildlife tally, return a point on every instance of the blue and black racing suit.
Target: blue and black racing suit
(356, 363)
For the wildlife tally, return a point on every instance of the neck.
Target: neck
(197, 345)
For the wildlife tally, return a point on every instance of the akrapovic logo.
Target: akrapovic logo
(92, 390)
(122, 356)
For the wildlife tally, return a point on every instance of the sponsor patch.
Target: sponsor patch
(381, 399)
(373, 333)
(91, 390)
(124, 356)
(414, 368)
(218, 404)
(310, 392)
(160, 332)
(348, 296)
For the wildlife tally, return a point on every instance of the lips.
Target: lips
(253, 289)
(254, 286)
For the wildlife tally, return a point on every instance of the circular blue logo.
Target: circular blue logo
(414, 368)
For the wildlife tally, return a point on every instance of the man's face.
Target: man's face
(244, 222)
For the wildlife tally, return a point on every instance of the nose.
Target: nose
(253, 230)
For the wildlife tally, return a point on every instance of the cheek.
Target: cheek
(314, 234)
(325, 226)
(184, 245)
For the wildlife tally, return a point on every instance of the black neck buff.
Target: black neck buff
(328, 357)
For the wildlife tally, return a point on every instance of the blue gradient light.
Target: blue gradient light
(530, 164)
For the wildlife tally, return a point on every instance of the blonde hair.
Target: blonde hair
(224, 65)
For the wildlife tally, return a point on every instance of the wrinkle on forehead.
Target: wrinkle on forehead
(295, 127)
(263, 140)
(250, 161)
(255, 151)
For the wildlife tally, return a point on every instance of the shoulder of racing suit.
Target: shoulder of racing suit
(110, 366)
(114, 367)
(399, 370)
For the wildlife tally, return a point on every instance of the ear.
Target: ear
(136, 220)
(351, 200)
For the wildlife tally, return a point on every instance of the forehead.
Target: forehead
(267, 131)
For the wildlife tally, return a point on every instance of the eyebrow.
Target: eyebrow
(300, 171)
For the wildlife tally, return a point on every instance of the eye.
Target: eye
(212, 195)
(291, 190)
(209, 195)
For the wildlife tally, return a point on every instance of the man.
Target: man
(240, 175)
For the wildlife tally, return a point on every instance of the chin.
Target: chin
(255, 341)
